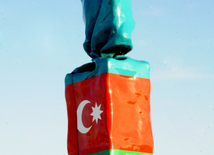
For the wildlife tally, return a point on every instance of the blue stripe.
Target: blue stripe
(122, 66)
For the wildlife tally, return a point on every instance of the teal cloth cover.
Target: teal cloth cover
(123, 66)
(108, 27)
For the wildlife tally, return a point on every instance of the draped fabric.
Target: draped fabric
(108, 27)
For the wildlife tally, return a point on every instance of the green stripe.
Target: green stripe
(119, 152)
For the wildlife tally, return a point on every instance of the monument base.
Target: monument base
(108, 104)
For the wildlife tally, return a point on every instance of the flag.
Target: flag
(112, 108)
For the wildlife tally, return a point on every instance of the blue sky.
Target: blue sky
(41, 41)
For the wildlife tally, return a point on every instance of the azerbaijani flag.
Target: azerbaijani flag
(108, 104)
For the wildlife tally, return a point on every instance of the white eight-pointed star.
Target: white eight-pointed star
(96, 113)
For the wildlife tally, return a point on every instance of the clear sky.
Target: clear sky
(41, 41)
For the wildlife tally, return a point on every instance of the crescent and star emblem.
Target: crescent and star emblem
(96, 115)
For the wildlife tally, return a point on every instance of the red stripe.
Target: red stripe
(72, 142)
(129, 125)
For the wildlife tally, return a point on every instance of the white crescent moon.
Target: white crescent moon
(80, 125)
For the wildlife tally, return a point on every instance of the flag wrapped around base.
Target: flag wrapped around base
(108, 104)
